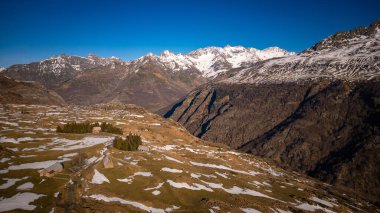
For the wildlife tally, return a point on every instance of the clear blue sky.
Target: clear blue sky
(32, 30)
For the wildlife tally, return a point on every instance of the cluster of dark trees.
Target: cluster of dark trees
(107, 127)
(130, 143)
(86, 127)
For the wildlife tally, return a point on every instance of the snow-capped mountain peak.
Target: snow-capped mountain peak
(150, 54)
(213, 60)
(350, 55)
(208, 61)
(167, 53)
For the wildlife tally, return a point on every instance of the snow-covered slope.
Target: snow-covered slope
(211, 61)
(352, 55)
(58, 64)
(54, 71)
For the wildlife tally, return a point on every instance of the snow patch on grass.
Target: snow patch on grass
(156, 192)
(198, 175)
(36, 165)
(19, 201)
(26, 186)
(165, 169)
(66, 144)
(18, 140)
(3, 160)
(99, 178)
(10, 182)
(129, 179)
(237, 190)
(126, 202)
(91, 160)
(172, 159)
(321, 201)
(249, 210)
(223, 175)
(156, 187)
(168, 147)
(312, 208)
(223, 167)
(195, 186)
(9, 123)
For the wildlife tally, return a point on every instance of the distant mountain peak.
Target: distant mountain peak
(209, 61)
(350, 55)
(167, 53)
(150, 54)
(344, 38)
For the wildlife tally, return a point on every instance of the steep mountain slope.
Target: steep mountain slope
(19, 92)
(178, 172)
(316, 112)
(151, 81)
(352, 55)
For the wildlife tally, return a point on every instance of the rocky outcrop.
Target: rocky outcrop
(327, 129)
(19, 92)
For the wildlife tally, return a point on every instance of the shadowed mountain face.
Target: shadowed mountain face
(316, 112)
(18, 92)
(329, 130)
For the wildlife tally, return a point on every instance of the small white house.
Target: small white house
(107, 161)
(143, 148)
(52, 170)
(96, 129)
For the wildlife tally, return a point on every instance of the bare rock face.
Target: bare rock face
(19, 92)
(329, 130)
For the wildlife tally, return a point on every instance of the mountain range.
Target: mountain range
(151, 81)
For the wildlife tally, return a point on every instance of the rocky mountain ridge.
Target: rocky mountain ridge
(316, 112)
(21, 92)
(351, 56)
(151, 81)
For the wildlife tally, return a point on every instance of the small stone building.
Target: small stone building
(96, 130)
(52, 170)
(143, 148)
(107, 161)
